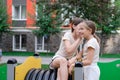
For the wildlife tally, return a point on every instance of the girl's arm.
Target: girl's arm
(79, 56)
(71, 48)
(89, 57)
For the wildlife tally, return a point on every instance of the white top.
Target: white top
(94, 44)
(61, 51)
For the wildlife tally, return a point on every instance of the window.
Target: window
(41, 44)
(19, 42)
(19, 12)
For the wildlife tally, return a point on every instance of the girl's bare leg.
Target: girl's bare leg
(58, 74)
(72, 60)
(61, 63)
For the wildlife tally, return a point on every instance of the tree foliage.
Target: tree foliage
(4, 26)
(48, 19)
(106, 13)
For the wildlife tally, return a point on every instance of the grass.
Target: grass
(117, 55)
(50, 54)
(3, 71)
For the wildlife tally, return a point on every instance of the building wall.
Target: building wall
(54, 42)
(9, 10)
(30, 11)
(30, 42)
(6, 42)
(18, 25)
(19, 2)
(111, 44)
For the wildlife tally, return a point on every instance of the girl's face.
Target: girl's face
(77, 30)
(84, 30)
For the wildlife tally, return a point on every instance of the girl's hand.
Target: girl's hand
(81, 36)
(68, 63)
(79, 56)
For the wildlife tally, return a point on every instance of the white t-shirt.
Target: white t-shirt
(92, 72)
(94, 44)
(61, 52)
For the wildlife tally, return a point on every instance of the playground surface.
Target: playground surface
(109, 67)
(45, 60)
(21, 59)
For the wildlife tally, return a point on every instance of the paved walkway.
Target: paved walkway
(45, 60)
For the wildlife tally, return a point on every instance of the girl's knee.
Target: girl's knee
(63, 61)
(58, 62)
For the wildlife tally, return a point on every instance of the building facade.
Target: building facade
(21, 13)
(23, 39)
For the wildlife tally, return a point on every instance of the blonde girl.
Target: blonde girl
(91, 50)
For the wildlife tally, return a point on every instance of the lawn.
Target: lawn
(117, 55)
(46, 54)
(50, 54)
(3, 71)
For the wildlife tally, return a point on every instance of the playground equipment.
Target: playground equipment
(110, 70)
(31, 70)
(39, 74)
(78, 71)
(18, 72)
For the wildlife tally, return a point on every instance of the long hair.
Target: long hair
(76, 21)
(92, 25)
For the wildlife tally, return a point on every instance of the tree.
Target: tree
(4, 26)
(48, 23)
(106, 13)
